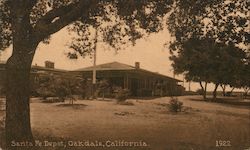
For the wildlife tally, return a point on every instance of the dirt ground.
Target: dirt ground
(147, 122)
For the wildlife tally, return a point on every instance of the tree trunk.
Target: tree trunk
(232, 90)
(204, 90)
(18, 126)
(18, 68)
(246, 90)
(223, 89)
(215, 92)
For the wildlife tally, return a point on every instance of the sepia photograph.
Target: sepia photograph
(124, 75)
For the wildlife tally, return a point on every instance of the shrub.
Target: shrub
(175, 105)
(62, 89)
(200, 91)
(45, 87)
(121, 94)
(102, 87)
(52, 100)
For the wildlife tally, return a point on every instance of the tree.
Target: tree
(208, 38)
(103, 85)
(73, 86)
(26, 23)
(62, 87)
(46, 86)
(194, 62)
(243, 80)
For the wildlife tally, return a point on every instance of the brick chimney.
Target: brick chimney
(137, 65)
(49, 64)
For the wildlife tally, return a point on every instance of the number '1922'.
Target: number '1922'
(222, 143)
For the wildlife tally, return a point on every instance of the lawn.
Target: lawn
(146, 124)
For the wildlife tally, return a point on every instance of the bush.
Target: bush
(62, 89)
(102, 87)
(52, 100)
(175, 105)
(45, 87)
(200, 91)
(228, 94)
(121, 94)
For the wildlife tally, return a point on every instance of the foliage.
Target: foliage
(243, 80)
(118, 21)
(61, 87)
(121, 94)
(46, 86)
(200, 91)
(103, 86)
(175, 105)
(208, 61)
(210, 40)
(52, 100)
(225, 21)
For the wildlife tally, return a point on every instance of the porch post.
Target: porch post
(125, 81)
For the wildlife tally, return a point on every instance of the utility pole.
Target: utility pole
(189, 86)
(183, 81)
(94, 65)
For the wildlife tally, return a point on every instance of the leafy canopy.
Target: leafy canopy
(210, 39)
(118, 21)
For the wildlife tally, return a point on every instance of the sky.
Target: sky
(150, 52)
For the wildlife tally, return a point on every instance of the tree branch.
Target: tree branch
(58, 18)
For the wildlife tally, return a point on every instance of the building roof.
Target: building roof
(48, 69)
(36, 68)
(108, 66)
(112, 66)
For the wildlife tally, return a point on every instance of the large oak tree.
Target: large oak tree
(24, 24)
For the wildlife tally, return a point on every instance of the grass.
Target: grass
(197, 127)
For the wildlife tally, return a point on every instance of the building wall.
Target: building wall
(139, 84)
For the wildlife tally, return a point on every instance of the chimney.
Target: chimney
(49, 64)
(137, 65)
